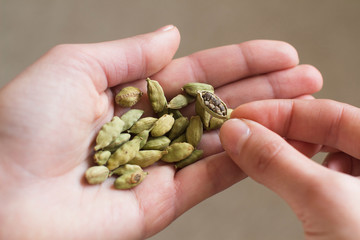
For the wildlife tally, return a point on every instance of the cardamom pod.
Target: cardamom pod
(144, 135)
(178, 152)
(212, 104)
(145, 158)
(180, 101)
(124, 154)
(162, 125)
(101, 157)
(193, 88)
(181, 138)
(156, 95)
(194, 131)
(121, 139)
(216, 123)
(96, 174)
(131, 117)
(130, 179)
(109, 132)
(194, 157)
(126, 168)
(142, 124)
(179, 127)
(175, 112)
(158, 143)
(128, 96)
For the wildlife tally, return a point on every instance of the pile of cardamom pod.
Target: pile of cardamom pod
(129, 143)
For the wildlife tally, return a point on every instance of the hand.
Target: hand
(51, 113)
(324, 198)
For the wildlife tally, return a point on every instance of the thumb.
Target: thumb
(270, 160)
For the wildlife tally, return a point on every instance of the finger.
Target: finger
(342, 162)
(121, 61)
(308, 149)
(268, 159)
(223, 65)
(315, 121)
(288, 83)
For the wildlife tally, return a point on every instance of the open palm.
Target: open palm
(51, 113)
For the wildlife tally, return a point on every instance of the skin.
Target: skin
(272, 141)
(51, 113)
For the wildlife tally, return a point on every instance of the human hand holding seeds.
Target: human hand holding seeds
(51, 113)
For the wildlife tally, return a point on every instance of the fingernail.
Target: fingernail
(233, 135)
(165, 28)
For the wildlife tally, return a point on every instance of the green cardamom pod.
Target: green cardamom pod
(162, 125)
(156, 95)
(216, 123)
(180, 101)
(194, 157)
(175, 112)
(194, 131)
(121, 139)
(178, 152)
(130, 179)
(142, 124)
(193, 88)
(145, 158)
(131, 117)
(124, 154)
(126, 168)
(179, 127)
(144, 135)
(109, 132)
(96, 174)
(212, 104)
(158, 143)
(181, 138)
(128, 96)
(101, 157)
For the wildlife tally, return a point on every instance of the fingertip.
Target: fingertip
(311, 77)
(232, 133)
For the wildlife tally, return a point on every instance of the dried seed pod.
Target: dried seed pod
(162, 125)
(181, 138)
(124, 154)
(96, 174)
(101, 157)
(158, 143)
(180, 101)
(145, 158)
(194, 131)
(120, 140)
(212, 104)
(126, 168)
(179, 127)
(216, 123)
(128, 96)
(156, 95)
(129, 180)
(194, 157)
(131, 117)
(144, 135)
(178, 152)
(142, 124)
(175, 112)
(109, 132)
(193, 88)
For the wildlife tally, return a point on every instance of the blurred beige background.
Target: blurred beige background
(326, 34)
